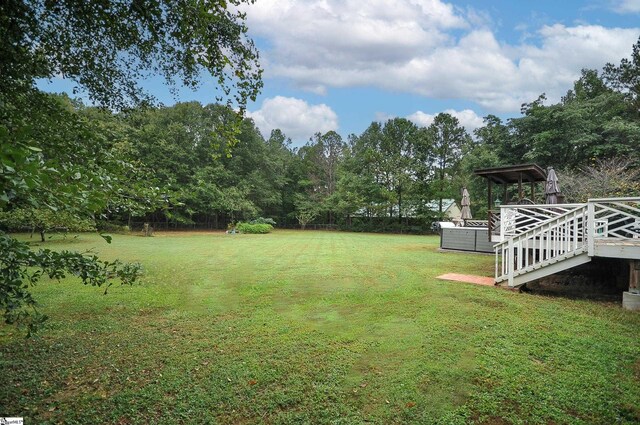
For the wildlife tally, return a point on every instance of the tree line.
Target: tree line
(394, 175)
(174, 166)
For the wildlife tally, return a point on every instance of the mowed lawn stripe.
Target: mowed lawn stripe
(314, 327)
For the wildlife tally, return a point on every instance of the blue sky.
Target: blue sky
(341, 64)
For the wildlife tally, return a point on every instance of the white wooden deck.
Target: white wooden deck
(617, 248)
(539, 240)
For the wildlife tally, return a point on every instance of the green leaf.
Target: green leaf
(106, 237)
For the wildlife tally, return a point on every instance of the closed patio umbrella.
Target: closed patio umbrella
(466, 202)
(551, 189)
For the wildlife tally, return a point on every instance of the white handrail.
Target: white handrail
(617, 218)
(627, 199)
(536, 244)
(558, 238)
(516, 219)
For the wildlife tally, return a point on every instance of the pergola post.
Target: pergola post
(519, 187)
(533, 192)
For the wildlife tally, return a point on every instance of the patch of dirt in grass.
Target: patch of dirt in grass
(630, 412)
(491, 420)
(485, 382)
(487, 302)
(164, 233)
(508, 406)
(72, 390)
(577, 415)
(636, 369)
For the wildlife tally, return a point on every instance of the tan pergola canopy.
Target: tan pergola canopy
(513, 174)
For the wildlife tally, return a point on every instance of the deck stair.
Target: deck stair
(541, 240)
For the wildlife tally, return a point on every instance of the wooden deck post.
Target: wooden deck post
(634, 276)
(511, 262)
(631, 298)
(590, 232)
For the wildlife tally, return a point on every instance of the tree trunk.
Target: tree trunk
(400, 206)
(42, 235)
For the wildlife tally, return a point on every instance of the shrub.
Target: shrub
(606, 178)
(254, 228)
(262, 220)
(107, 226)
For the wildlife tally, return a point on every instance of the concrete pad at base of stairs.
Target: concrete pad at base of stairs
(631, 301)
(467, 278)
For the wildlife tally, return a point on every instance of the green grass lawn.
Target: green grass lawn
(314, 327)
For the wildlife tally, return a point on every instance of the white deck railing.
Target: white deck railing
(614, 218)
(548, 242)
(517, 219)
(494, 223)
(530, 241)
(471, 222)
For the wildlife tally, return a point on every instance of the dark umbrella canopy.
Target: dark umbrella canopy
(551, 189)
(466, 202)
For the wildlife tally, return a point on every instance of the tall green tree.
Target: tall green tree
(625, 77)
(450, 142)
(254, 170)
(399, 137)
(106, 47)
(381, 170)
(211, 185)
(496, 139)
(287, 169)
(366, 164)
(591, 122)
(321, 158)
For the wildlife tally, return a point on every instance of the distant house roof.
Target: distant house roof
(513, 173)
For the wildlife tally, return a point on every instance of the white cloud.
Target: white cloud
(319, 33)
(427, 47)
(295, 117)
(467, 118)
(626, 6)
